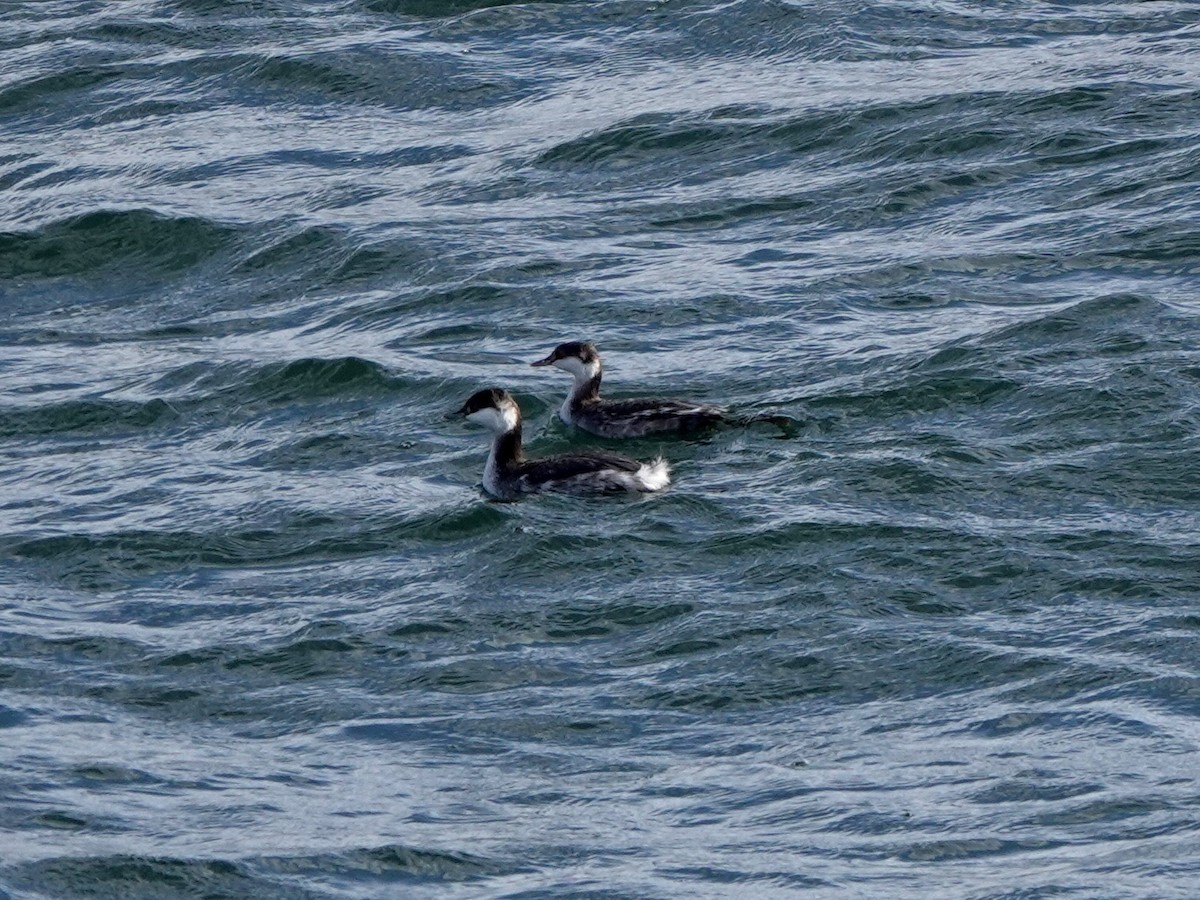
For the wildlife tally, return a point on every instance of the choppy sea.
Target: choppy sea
(262, 634)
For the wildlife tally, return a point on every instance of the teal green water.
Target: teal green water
(261, 633)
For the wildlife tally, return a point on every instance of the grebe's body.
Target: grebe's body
(508, 474)
(638, 417)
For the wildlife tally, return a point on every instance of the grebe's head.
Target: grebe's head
(580, 358)
(494, 409)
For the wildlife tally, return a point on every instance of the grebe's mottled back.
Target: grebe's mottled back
(508, 474)
(637, 417)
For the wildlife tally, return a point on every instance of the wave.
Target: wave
(269, 877)
(84, 415)
(441, 9)
(33, 92)
(231, 385)
(305, 379)
(195, 387)
(109, 241)
(95, 559)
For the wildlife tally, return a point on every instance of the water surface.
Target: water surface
(262, 635)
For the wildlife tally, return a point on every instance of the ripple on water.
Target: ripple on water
(94, 561)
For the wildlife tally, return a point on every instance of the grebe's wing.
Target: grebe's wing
(572, 465)
(660, 411)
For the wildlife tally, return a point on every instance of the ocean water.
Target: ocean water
(261, 633)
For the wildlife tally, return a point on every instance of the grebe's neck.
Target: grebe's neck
(506, 449)
(587, 383)
(585, 389)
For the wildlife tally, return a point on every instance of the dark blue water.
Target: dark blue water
(261, 634)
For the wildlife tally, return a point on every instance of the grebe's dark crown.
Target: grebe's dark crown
(582, 350)
(485, 399)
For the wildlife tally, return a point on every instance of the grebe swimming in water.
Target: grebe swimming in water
(508, 474)
(622, 418)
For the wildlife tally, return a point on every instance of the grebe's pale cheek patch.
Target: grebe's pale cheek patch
(577, 367)
(492, 419)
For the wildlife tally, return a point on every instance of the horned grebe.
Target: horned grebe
(508, 474)
(622, 418)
